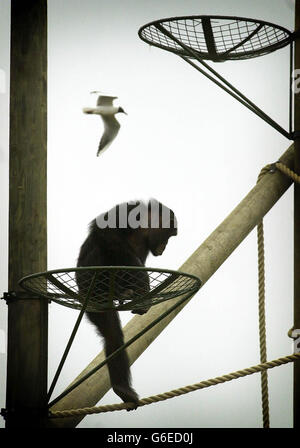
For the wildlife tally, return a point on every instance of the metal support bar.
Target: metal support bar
(73, 334)
(116, 352)
(233, 91)
(62, 287)
(240, 100)
(209, 38)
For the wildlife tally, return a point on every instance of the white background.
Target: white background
(191, 146)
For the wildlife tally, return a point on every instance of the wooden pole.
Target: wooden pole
(204, 262)
(27, 317)
(297, 220)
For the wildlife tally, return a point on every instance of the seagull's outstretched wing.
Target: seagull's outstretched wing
(104, 100)
(111, 129)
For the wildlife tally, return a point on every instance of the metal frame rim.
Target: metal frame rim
(191, 17)
(101, 268)
(205, 55)
(196, 283)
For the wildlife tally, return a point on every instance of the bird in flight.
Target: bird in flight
(107, 110)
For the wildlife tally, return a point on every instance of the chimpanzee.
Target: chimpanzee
(124, 236)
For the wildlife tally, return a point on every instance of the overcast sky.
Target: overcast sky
(191, 146)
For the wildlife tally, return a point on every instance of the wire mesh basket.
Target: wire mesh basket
(110, 287)
(217, 38)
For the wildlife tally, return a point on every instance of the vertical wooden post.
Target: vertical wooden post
(27, 317)
(297, 221)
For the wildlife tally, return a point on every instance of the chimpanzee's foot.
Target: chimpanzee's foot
(127, 394)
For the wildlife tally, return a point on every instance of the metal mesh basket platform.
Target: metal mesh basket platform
(110, 287)
(217, 38)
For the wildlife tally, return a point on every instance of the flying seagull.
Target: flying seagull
(107, 111)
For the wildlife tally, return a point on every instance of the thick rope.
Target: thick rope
(262, 315)
(261, 294)
(262, 324)
(180, 391)
(284, 169)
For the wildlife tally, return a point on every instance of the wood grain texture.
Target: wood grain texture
(27, 318)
